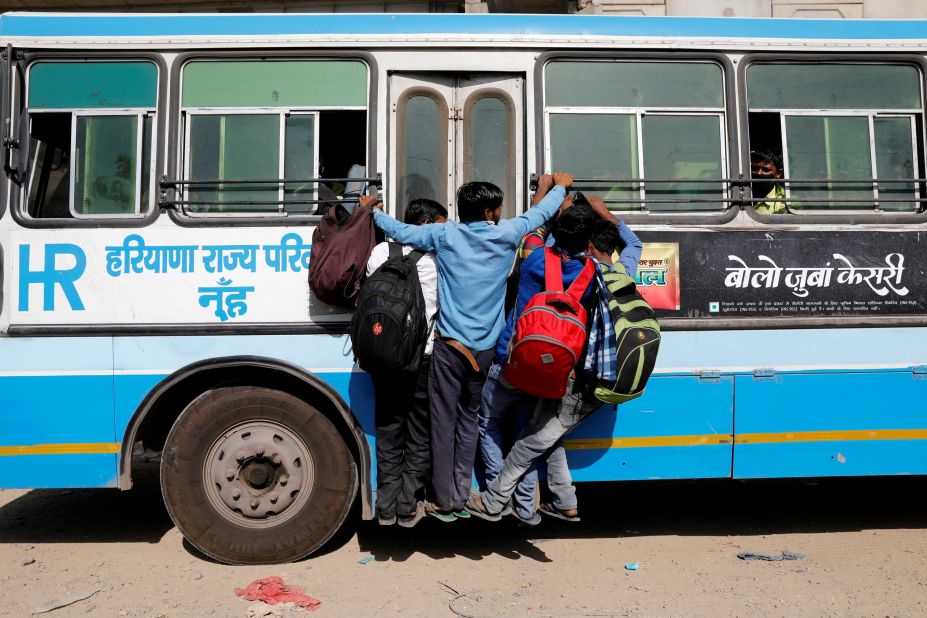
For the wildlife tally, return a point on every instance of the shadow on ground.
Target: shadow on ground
(609, 510)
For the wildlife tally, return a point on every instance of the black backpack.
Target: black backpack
(389, 328)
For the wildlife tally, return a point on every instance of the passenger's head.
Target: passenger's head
(422, 211)
(574, 228)
(605, 241)
(479, 201)
(766, 164)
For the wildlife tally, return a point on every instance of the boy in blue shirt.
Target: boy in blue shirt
(474, 258)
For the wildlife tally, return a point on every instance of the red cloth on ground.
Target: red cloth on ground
(272, 590)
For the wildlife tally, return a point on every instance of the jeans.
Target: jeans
(559, 479)
(549, 421)
(503, 415)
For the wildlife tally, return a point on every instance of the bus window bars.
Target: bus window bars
(739, 191)
(173, 192)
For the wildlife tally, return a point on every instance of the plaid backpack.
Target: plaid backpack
(637, 340)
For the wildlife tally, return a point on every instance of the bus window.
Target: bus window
(90, 139)
(250, 124)
(643, 135)
(846, 135)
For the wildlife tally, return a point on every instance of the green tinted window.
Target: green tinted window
(679, 148)
(299, 161)
(87, 85)
(105, 164)
(234, 147)
(598, 146)
(833, 86)
(304, 83)
(634, 84)
(894, 160)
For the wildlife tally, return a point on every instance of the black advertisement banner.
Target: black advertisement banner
(780, 274)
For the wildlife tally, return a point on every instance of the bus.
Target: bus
(163, 175)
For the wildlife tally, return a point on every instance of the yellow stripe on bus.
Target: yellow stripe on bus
(648, 441)
(88, 448)
(832, 436)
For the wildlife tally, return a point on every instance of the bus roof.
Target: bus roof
(68, 25)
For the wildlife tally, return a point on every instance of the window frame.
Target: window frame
(20, 113)
(176, 134)
(729, 126)
(140, 114)
(834, 216)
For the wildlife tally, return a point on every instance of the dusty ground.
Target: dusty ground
(864, 541)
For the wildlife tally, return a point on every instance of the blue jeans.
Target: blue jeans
(503, 415)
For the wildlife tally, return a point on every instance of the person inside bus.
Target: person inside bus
(550, 420)
(766, 168)
(402, 416)
(474, 257)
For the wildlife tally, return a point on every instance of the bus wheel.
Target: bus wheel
(255, 476)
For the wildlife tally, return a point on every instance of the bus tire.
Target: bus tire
(252, 475)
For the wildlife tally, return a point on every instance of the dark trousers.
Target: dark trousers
(403, 440)
(455, 391)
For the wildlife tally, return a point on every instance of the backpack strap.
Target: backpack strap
(415, 255)
(553, 271)
(395, 250)
(582, 281)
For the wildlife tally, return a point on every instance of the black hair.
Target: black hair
(767, 155)
(605, 237)
(475, 198)
(574, 228)
(423, 210)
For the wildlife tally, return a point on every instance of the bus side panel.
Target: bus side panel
(680, 428)
(56, 413)
(831, 424)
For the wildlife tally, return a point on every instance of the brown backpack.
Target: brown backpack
(339, 255)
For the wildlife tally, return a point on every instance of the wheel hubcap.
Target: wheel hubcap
(258, 474)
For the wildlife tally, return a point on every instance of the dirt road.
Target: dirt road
(864, 542)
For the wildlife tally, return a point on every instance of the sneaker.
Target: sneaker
(386, 521)
(432, 510)
(462, 514)
(408, 521)
(533, 520)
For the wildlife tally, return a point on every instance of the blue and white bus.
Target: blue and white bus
(163, 175)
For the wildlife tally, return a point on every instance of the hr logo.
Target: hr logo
(63, 265)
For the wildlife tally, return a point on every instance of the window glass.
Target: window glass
(299, 161)
(274, 83)
(598, 146)
(894, 160)
(821, 147)
(234, 147)
(682, 148)
(833, 86)
(422, 135)
(86, 85)
(633, 84)
(490, 150)
(106, 165)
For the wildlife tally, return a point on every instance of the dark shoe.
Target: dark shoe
(432, 510)
(533, 520)
(408, 521)
(571, 515)
(476, 507)
(386, 521)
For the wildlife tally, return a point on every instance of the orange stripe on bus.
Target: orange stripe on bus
(88, 448)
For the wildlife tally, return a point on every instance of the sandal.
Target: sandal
(432, 510)
(552, 511)
(476, 507)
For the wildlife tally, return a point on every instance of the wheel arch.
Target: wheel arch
(165, 402)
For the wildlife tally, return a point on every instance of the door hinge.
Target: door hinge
(764, 375)
(920, 372)
(455, 113)
(709, 376)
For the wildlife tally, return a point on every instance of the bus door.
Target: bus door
(450, 128)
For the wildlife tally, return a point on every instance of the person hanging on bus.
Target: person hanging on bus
(766, 168)
(550, 419)
(403, 426)
(474, 258)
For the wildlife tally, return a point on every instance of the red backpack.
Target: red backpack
(340, 250)
(550, 334)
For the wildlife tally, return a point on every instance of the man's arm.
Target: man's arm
(420, 236)
(540, 214)
(631, 254)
